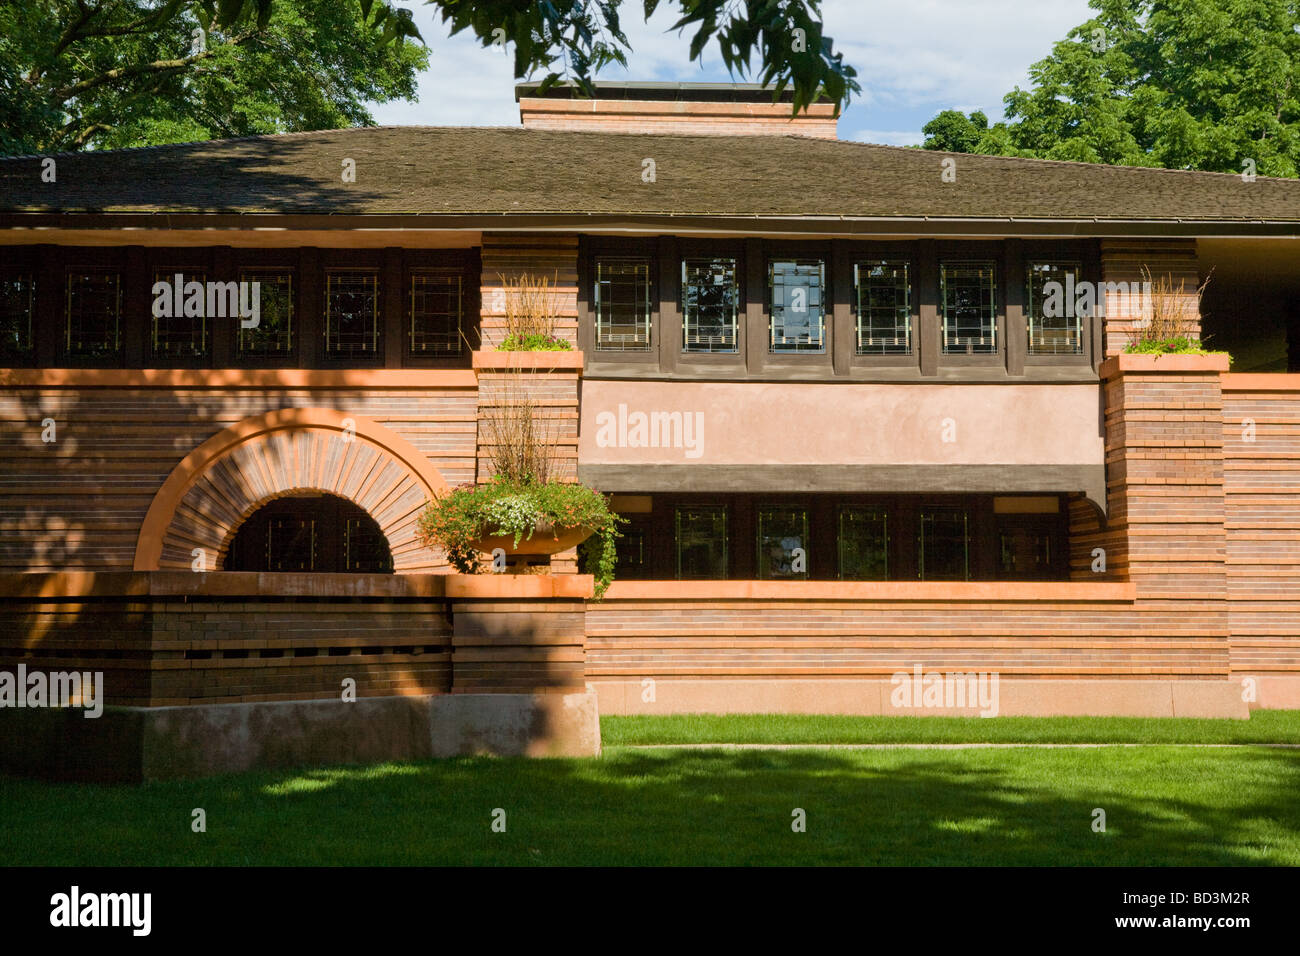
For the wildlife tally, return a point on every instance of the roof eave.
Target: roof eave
(595, 222)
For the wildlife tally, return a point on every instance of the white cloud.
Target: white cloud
(913, 60)
(464, 85)
(887, 137)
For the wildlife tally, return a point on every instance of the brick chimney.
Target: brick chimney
(711, 109)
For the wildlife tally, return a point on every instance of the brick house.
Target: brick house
(821, 379)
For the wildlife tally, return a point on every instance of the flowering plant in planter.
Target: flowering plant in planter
(523, 509)
(527, 517)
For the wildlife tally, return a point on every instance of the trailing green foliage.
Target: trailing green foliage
(457, 522)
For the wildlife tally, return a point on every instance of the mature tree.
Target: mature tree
(108, 73)
(104, 73)
(954, 132)
(1184, 84)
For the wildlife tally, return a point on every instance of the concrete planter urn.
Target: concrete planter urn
(545, 540)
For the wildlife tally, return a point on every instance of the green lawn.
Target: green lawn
(1164, 805)
(1264, 726)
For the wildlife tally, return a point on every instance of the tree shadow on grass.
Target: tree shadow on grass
(1164, 806)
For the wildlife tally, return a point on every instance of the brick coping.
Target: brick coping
(532, 361)
(252, 584)
(1127, 362)
(230, 378)
(223, 584)
(930, 591)
(1261, 382)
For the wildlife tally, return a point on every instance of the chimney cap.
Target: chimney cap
(663, 90)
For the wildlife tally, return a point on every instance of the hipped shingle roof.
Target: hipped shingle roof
(504, 171)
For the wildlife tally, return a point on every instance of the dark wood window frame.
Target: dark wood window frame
(41, 264)
(856, 253)
(365, 267)
(800, 362)
(76, 359)
(1088, 256)
(191, 269)
(902, 514)
(466, 325)
(466, 262)
(135, 266)
(840, 361)
(955, 253)
(839, 509)
(286, 358)
(728, 532)
(710, 249)
(807, 542)
(812, 267)
(22, 355)
(647, 249)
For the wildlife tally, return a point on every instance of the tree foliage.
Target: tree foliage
(954, 132)
(1183, 84)
(573, 39)
(110, 73)
(106, 73)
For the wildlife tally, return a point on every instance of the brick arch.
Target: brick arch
(218, 485)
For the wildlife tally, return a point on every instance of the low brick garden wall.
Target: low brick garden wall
(169, 638)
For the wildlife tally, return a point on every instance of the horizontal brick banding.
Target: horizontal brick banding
(1261, 444)
(1091, 636)
(175, 638)
(223, 650)
(79, 502)
(680, 117)
(1124, 261)
(502, 647)
(508, 256)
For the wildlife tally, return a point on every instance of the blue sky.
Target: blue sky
(914, 58)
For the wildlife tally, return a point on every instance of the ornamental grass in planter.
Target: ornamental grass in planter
(1174, 316)
(524, 508)
(532, 310)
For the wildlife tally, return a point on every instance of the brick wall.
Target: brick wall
(78, 503)
(1123, 261)
(554, 394)
(1164, 467)
(511, 255)
(1023, 630)
(173, 638)
(169, 638)
(1261, 442)
(517, 646)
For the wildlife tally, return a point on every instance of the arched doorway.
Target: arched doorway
(313, 532)
(289, 451)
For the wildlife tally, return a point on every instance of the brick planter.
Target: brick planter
(1135, 363)
(528, 361)
(1165, 478)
